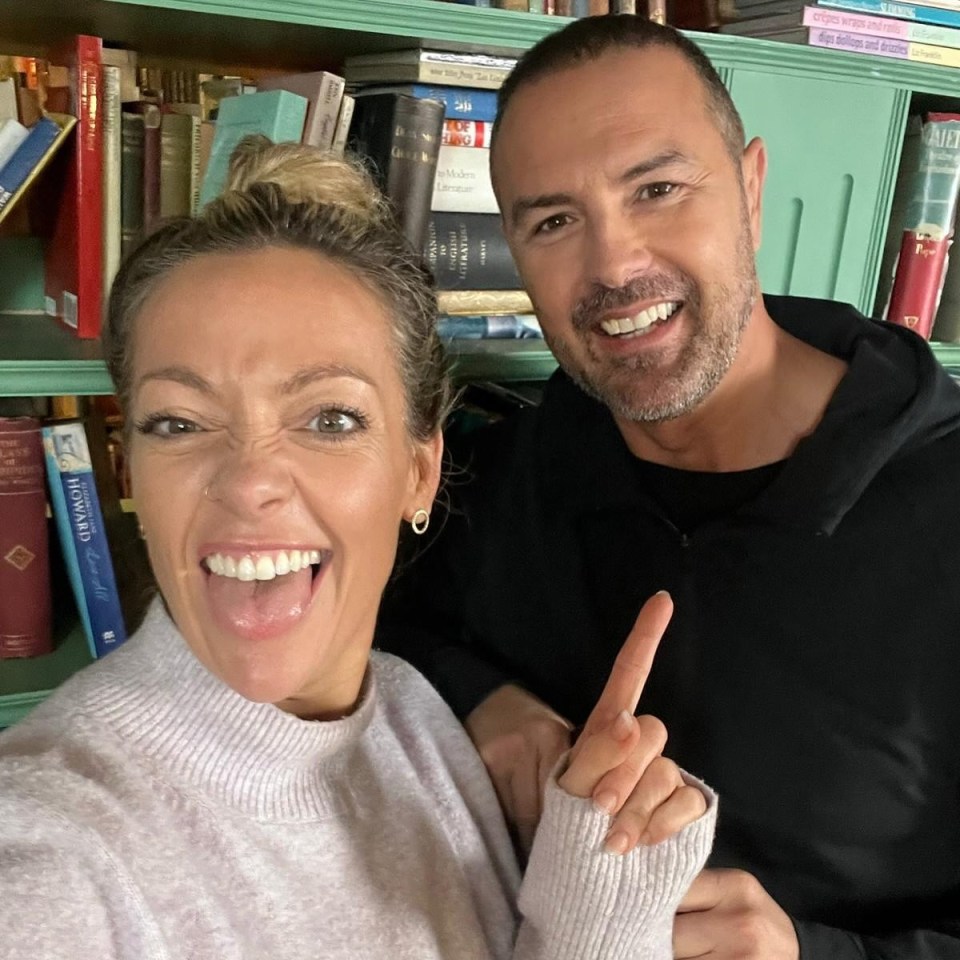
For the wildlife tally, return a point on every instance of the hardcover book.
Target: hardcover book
(462, 183)
(12, 134)
(277, 114)
(850, 22)
(490, 327)
(43, 140)
(399, 138)
(484, 302)
(131, 180)
(324, 92)
(467, 133)
(74, 254)
(459, 102)
(179, 163)
(476, 70)
(344, 119)
(928, 227)
(112, 155)
(468, 251)
(884, 47)
(902, 11)
(83, 538)
(25, 610)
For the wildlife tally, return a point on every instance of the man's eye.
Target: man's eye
(654, 191)
(161, 425)
(336, 422)
(552, 223)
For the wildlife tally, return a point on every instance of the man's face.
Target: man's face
(633, 228)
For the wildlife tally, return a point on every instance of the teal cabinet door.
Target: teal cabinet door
(833, 148)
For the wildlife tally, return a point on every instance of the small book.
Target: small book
(19, 172)
(25, 606)
(324, 92)
(83, 539)
(344, 119)
(277, 114)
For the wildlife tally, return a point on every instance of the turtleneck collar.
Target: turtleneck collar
(156, 695)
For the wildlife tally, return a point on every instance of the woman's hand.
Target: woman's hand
(617, 759)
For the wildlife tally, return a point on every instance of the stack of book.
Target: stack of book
(769, 19)
(926, 33)
(424, 119)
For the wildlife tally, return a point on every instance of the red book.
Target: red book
(928, 226)
(74, 256)
(467, 133)
(24, 563)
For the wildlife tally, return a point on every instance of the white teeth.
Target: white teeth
(641, 321)
(264, 567)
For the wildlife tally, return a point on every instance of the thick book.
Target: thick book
(131, 180)
(461, 103)
(149, 109)
(843, 20)
(901, 11)
(462, 183)
(467, 133)
(399, 138)
(884, 47)
(928, 227)
(112, 153)
(25, 604)
(324, 93)
(468, 251)
(277, 114)
(74, 254)
(42, 142)
(482, 71)
(483, 302)
(83, 538)
(179, 163)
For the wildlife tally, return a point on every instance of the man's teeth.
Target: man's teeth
(266, 566)
(644, 319)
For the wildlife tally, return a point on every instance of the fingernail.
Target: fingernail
(662, 593)
(606, 801)
(623, 725)
(617, 842)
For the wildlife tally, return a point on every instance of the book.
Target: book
(344, 119)
(76, 509)
(25, 603)
(881, 26)
(131, 180)
(498, 327)
(8, 99)
(277, 114)
(323, 92)
(12, 134)
(179, 160)
(459, 102)
(43, 140)
(901, 11)
(884, 47)
(468, 251)
(73, 262)
(484, 302)
(112, 154)
(467, 133)
(478, 70)
(399, 138)
(928, 226)
(462, 182)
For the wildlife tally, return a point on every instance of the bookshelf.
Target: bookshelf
(802, 100)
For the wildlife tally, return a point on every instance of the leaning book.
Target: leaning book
(79, 519)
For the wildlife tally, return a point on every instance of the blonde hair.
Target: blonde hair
(299, 196)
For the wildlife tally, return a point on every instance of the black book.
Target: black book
(468, 251)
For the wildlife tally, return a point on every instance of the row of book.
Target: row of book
(60, 467)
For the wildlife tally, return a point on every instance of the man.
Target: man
(786, 469)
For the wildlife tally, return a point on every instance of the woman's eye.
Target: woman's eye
(160, 425)
(655, 191)
(336, 422)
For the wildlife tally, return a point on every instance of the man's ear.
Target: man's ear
(425, 474)
(753, 166)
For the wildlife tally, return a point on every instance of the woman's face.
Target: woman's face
(272, 468)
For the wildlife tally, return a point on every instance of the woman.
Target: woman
(243, 778)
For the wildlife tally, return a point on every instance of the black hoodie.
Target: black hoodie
(811, 673)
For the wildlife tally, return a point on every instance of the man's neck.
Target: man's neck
(773, 395)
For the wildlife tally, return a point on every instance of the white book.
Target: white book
(12, 134)
(347, 104)
(8, 100)
(110, 172)
(462, 183)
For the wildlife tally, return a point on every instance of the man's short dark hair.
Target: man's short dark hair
(588, 38)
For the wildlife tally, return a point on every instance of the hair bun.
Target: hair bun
(305, 174)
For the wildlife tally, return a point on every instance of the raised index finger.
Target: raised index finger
(633, 663)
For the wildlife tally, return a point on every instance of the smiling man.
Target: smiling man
(784, 467)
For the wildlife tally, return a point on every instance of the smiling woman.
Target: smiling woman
(245, 778)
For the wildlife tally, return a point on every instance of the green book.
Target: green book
(277, 114)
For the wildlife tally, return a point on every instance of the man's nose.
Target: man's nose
(618, 250)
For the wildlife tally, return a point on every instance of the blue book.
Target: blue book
(461, 103)
(18, 168)
(277, 114)
(76, 510)
(901, 11)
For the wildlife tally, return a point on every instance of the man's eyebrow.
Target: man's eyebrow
(299, 381)
(665, 158)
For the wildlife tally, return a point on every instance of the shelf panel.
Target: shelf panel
(25, 683)
(40, 358)
(503, 360)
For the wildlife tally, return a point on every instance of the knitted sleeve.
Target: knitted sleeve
(581, 903)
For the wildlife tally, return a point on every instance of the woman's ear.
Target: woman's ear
(425, 474)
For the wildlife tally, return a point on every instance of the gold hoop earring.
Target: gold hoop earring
(141, 531)
(419, 522)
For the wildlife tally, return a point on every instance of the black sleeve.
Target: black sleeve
(820, 942)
